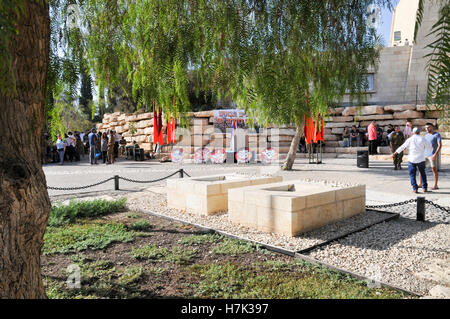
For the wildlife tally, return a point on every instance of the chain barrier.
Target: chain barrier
(152, 181)
(80, 187)
(391, 205)
(445, 209)
(421, 208)
(437, 207)
(186, 174)
(181, 171)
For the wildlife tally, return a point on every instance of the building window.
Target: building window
(397, 35)
(370, 81)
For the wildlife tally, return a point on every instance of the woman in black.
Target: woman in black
(104, 147)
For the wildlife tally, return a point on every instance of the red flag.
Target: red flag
(319, 136)
(309, 128)
(160, 133)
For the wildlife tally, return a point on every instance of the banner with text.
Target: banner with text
(224, 119)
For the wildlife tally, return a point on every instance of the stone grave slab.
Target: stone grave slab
(294, 207)
(207, 195)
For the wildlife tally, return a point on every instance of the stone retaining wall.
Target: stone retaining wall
(201, 132)
(382, 115)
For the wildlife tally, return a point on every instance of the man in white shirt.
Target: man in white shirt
(417, 146)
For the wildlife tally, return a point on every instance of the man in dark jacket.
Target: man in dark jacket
(396, 140)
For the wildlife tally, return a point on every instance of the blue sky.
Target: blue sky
(386, 20)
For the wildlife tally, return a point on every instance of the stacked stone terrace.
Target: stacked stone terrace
(201, 133)
(382, 115)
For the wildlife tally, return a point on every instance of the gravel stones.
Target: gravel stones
(400, 249)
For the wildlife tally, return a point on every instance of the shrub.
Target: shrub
(200, 239)
(234, 247)
(66, 214)
(141, 224)
(78, 237)
(150, 252)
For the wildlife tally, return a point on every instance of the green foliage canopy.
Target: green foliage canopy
(279, 59)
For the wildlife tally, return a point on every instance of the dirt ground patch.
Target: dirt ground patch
(167, 259)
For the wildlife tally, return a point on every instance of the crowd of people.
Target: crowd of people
(422, 150)
(70, 147)
(373, 136)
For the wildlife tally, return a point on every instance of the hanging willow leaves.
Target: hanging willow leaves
(279, 60)
(267, 55)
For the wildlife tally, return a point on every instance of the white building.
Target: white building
(403, 21)
(401, 77)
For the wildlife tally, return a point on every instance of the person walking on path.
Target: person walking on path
(116, 144)
(417, 146)
(396, 140)
(92, 146)
(372, 137)
(61, 148)
(110, 151)
(433, 157)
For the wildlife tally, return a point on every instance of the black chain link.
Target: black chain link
(152, 181)
(112, 178)
(186, 173)
(80, 187)
(445, 209)
(391, 205)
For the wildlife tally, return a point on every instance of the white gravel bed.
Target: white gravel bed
(156, 202)
(402, 252)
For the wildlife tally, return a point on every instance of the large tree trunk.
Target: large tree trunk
(290, 159)
(24, 201)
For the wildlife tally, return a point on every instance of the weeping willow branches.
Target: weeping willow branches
(279, 59)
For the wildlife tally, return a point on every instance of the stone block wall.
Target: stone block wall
(202, 133)
(382, 115)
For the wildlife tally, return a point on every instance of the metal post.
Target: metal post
(181, 173)
(116, 182)
(420, 209)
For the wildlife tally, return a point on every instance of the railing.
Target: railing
(420, 206)
(116, 179)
